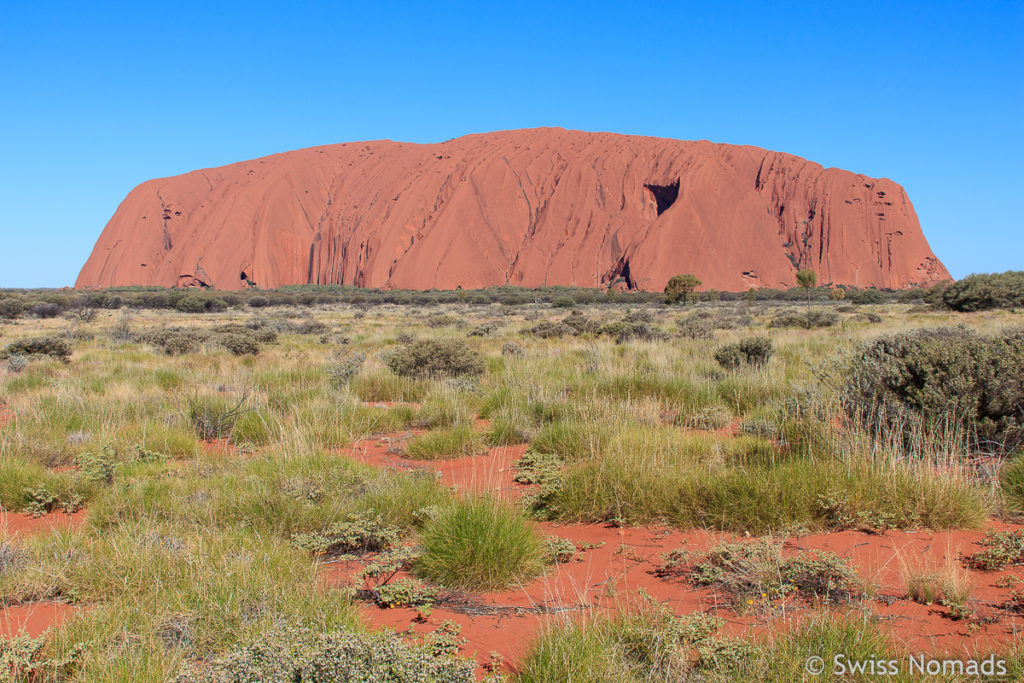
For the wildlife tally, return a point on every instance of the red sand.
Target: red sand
(17, 523)
(612, 575)
(33, 619)
(523, 207)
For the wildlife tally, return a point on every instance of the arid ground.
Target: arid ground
(580, 492)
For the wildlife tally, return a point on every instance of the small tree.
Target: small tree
(807, 279)
(838, 294)
(751, 295)
(680, 287)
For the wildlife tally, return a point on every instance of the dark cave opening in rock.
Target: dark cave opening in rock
(664, 195)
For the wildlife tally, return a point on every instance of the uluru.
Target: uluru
(525, 207)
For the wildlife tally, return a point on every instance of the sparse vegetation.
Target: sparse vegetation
(224, 501)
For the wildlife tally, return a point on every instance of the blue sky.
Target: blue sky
(100, 97)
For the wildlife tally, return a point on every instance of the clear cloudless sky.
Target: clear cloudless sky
(98, 97)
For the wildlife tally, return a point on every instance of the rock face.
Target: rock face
(527, 207)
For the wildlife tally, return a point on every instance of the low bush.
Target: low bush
(435, 358)
(695, 328)
(945, 382)
(479, 544)
(54, 347)
(357, 535)
(289, 654)
(986, 291)
(239, 344)
(753, 351)
(806, 320)
(757, 570)
(547, 329)
(1002, 549)
(345, 367)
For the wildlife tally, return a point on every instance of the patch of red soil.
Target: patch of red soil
(18, 523)
(219, 447)
(615, 569)
(33, 619)
(490, 472)
(883, 560)
(6, 416)
(618, 572)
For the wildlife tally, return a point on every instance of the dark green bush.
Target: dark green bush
(240, 344)
(54, 347)
(942, 379)
(435, 358)
(755, 351)
(11, 308)
(175, 341)
(986, 291)
(259, 302)
(192, 303)
(695, 328)
(806, 319)
(547, 329)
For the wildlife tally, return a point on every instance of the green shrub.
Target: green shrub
(240, 344)
(1002, 549)
(175, 341)
(512, 350)
(192, 303)
(98, 467)
(986, 291)
(357, 535)
(405, 593)
(806, 320)
(548, 329)
(479, 544)
(435, 358)
(11, 308)
(941, 380)
(289, 654)
(54, 347)
(345, 367)
(695, 328)
(757, 569)
(754, 351)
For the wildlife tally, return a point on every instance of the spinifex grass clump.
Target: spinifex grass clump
(479, 544)
(648, 644)
(445, 444)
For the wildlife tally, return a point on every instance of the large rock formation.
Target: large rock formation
(527, 207)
